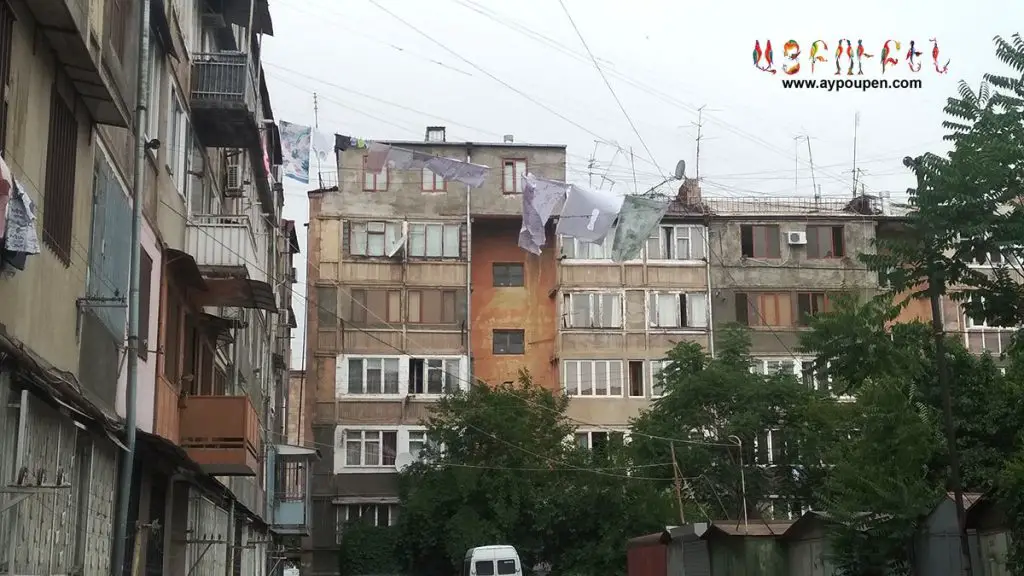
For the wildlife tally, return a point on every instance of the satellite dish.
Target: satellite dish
(403, 460)
(680, 170)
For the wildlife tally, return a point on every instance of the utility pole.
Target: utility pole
(632, 163)
(936, 287)
(124, 487)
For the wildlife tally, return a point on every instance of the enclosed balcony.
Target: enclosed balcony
(226, 246)
(221, 434)
(225, 100)
(290, 492)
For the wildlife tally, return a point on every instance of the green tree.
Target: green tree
(720, 401)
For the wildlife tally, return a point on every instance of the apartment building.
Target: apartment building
(617, 321)
(396, 306)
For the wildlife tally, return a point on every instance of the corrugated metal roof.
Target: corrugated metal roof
(752, 528)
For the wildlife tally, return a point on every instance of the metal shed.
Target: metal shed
(987, 521)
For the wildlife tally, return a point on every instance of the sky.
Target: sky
(386, 69)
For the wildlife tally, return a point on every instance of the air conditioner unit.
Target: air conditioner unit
(795, 238)
(233, 178)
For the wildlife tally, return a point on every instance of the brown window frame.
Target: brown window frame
(754, 305)
(362, 312)
(145, 295)
(423, 181)
(751, 231)
(117, 20)
(825, 304)
(59, 189)
(387, 177)
(515, 177)
(837, 251)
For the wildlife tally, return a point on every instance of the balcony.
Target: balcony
(221, 434)
(225, 245)
(290, 492)
(225, 101)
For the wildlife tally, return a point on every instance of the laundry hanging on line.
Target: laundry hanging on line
(295, 145)
(379, 155)
(343, 142)
(638, 218)
(540, 199)
(588, 215)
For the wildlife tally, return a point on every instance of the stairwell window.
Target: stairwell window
(592, 310)
(676, 242)
(372, 376)
(677, 310)
(507, 275)
(512, 171)
(760, 241)
(370, 448)
(59, 190)
(592, 378)
(508, 342)
(375, 182)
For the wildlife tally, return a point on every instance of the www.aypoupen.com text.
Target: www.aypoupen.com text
(862, 84)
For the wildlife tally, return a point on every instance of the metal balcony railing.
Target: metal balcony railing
(225, 241)
(227, 78)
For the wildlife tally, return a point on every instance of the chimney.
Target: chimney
(435, 134)
(689, 192)
(509, 139)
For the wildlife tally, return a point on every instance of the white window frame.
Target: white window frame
(596, 311)
(451, 239)
(694, 301)
(695, 235)
(971, 325)
(605, 249)
(590, 435)
(576, 387)
(363, 436)
(459, 375)
(382, 363)
(764, 365)
(655, 367)
(156, 84)
(179, 146)
(390, 233)
(342, 516)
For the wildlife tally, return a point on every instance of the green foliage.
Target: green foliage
(721, 401)
(369, 550)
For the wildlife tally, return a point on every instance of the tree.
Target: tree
(721, 401)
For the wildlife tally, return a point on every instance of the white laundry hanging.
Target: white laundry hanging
(588, 215)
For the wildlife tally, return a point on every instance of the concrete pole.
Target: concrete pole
(124, 488)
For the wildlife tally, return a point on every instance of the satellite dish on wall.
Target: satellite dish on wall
(403, 460)
(680, 172)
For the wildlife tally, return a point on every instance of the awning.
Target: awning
(291, 235)
(292, 323)
(161, 27)
(220, 327)
(237, 293)
(182, 266)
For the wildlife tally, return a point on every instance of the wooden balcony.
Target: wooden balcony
(225, 100)
(221, 434)
(167, 413)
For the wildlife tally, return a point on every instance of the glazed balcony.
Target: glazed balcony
(221, 434)
(290, 492)
(227, 245)
(225, 100)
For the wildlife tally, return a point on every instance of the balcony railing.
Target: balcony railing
(225, 100)
(227, 242)
(291, 495)
(221, 434)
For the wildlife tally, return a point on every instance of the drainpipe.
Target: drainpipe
(469, 277)
(711, 301)
(124, 488)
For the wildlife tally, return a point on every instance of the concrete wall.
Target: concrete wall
(531, 308)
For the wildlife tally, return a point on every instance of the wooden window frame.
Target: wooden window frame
(754, 234)
(434, 187)
(515, 176)
(826, 305)
(823, 255)
(754, 313)
(376, 182)
(508, 339)
(59, 190)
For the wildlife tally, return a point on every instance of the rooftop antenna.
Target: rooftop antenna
(810, 160)
(590, 164)
(316, 127)
(632, 163)
(796, 162)
(856, 125)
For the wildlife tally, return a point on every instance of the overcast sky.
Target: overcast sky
(460, 63)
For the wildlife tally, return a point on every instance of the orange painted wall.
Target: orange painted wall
(916, 309)
(530, 308)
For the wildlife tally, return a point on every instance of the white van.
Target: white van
(501, 560)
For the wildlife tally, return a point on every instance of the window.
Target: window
(770, 447)
(764, 309)
(815, 379)
(418, 442)
(145, 287)
(592, 310)
(431, 182)
(592, 377)
(372, 376)
(179, 143)
(760, 241)
(6, 41)
(507, 275)
(172, 337)
(512, 170)
(374, 238)
(434, 375)
(375, 182)
(573, 249)
(675, 310)
(435, 240)
(825, 242)
(369, 448)
(978, 322)
(117, 25)
(59, 191)
(437, 306)
(769, 366)
(371, 307)
(506, 567)
(657, 388)
(484, 568)
(508, 342)
(597, 440)
(809, 304)
(373, 514)
(636, 378)
(676, 243)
